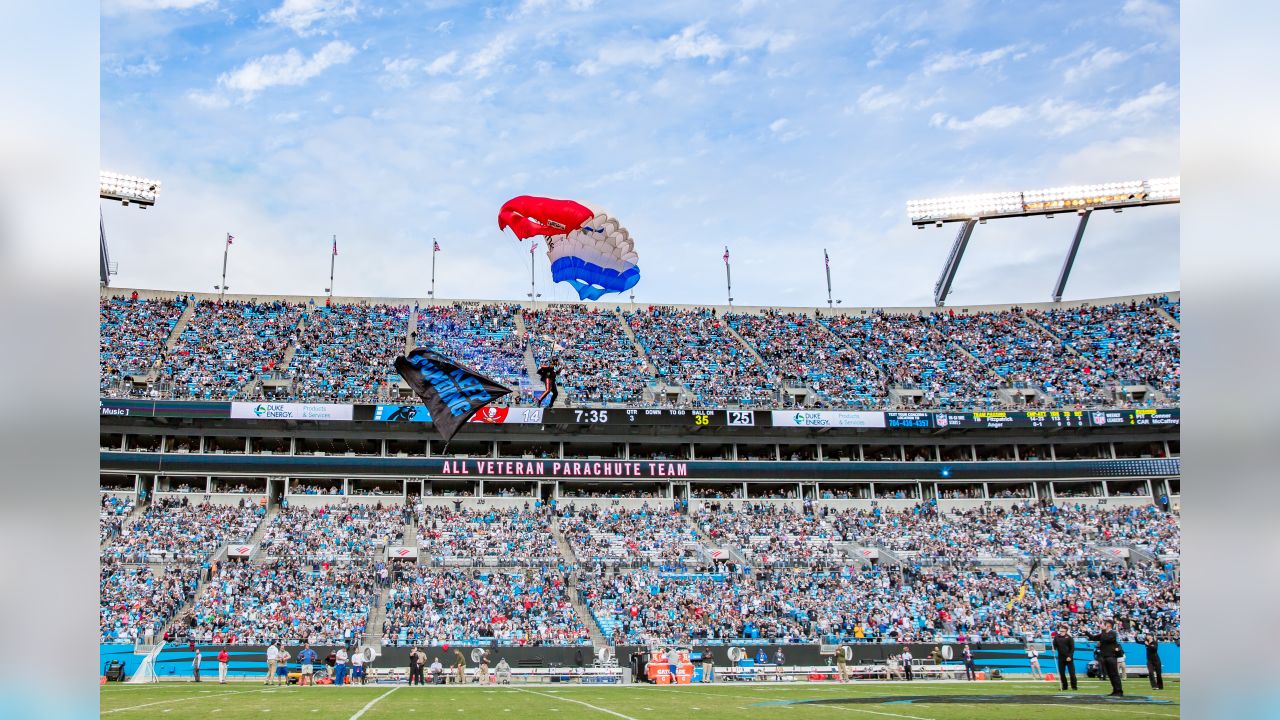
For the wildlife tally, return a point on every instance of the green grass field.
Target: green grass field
(942, 701)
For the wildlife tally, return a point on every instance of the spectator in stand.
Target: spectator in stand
(599, 362)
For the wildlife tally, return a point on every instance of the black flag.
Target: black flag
(453, 392)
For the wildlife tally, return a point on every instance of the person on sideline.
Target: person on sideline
(223, 657)
(282, 666)
(307, 657)
(1155, 672)
(273, 658)
(1064, 647)
(1033, 659)
(195, 666)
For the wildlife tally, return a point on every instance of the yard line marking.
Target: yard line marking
(793, 706)
(166, 702)
(373, 702)
(1117, 710)
(878, 712)
(579, 702)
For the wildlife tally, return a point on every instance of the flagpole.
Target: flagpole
(333, 256)
(533, 287)
(222, 289)
(827, 261)
(434, 250)
(728, 279)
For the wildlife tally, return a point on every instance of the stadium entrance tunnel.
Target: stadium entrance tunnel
(1072, 699)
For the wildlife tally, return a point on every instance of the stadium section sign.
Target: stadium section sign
(290, 411)
(827, 418)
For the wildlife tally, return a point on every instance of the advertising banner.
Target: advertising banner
(491, 415)
(827, 418)
(290, 411)
(400, 552)
(240, 550)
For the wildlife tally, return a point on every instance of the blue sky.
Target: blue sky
(778, 129)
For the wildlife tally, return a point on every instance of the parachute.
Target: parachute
(588, 247)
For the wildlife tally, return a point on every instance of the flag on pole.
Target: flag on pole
(826, 258)
(335, 246)
(532, 248)
(230, 237)
(726, 254)
(437, 246)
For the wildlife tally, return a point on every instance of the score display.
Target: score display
(640, 416)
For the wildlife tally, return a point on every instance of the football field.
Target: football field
(926, 700)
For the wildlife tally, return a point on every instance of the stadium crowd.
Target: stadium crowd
(344, 352)
(1074, 357)
(429, 606)
(286, 600)
(803, 352)
(176, 529)
(497, 535)
(481, 336)
(333, 532)
(617, 534)
(598, 362)
(132, 335)
(877, 604)
(133, 599)
(693, 349)
(226, 345)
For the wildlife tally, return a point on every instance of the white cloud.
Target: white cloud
(1000, 116)
(442, 64)
(783, 129)
(116, 65)
(691, 43)
(445, 27)
(286, 117)
(1065, 117)
(1099, 61)
(301, 15)
(489, 57)
(883, 48)
(207, 100)
(113, 7)
(876, 98)
(529, 7)
(966, 59)
(289, 68)
(396, 73)
(1152, 16)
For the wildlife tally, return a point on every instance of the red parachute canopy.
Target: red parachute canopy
(527, 216)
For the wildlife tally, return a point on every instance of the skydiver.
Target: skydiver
(548, 372)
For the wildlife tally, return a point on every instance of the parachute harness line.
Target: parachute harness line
(588, 248)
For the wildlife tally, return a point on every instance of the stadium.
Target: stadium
(940, 479)
(511, 487)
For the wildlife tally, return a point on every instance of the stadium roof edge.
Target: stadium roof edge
(750, 309)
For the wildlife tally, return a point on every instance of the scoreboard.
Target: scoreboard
(643, 416)
(630, 417)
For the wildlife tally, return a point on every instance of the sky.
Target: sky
(777, 129)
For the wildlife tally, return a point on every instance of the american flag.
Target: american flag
(726, 254)
(335, 246)
(826, 259)
(532, 248)
(230, 237)
(436, 247)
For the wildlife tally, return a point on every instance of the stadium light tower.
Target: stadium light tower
(127, 190)
(972, 210)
